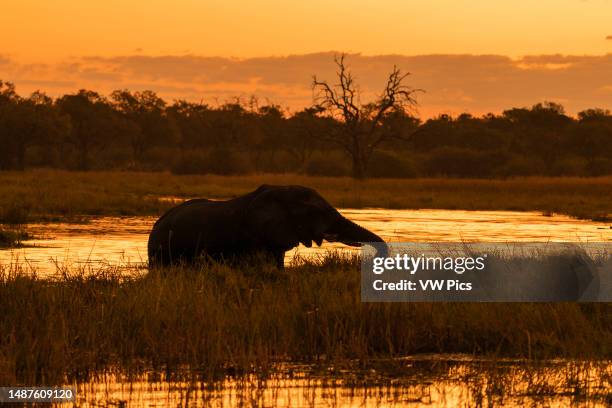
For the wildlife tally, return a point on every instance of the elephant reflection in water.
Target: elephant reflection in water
(268, 221)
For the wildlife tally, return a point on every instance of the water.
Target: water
(445, 380)
(425, 381)
(122, 241)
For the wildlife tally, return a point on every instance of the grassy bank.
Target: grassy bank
(219, 319)
(49, 194)
(13, 237)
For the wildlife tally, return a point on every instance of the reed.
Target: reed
(56, 194)
(13, 237)
(218, 320)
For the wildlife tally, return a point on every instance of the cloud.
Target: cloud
(453, 83)
(50, 86)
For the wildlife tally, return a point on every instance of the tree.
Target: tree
(591, 136)
(42, 125)
(9, 123)
(539, 131)
(228, 125)
(145, 112)
(92, 122)
(192, 121)
(270, 120)
(302, 134)
(25, 122)
(361, 132)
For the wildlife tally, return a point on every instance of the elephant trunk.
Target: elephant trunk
(352, 234)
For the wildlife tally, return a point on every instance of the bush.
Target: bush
(15, 214)
(191, 163)
(218, 161)
(327, 166)
(569, 166)
(598, 167)
(226, 162)
(388, 165)
(155, 159)
(280, 162)
(10, 238)
(521, 166)
(451, 161)
(43, 156)
(116, 157)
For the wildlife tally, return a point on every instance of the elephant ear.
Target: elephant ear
(272, 220)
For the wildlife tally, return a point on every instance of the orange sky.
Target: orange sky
(59, 45)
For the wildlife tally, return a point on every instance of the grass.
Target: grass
(54, 194)
(12, 238)
(220, 320)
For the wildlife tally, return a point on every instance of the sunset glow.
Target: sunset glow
(64, 45)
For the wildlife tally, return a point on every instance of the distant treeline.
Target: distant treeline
(141, 131)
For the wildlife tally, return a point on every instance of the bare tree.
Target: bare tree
(361, 128)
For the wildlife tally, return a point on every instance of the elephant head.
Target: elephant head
(289, 215)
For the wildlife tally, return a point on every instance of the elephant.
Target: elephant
(270, 221)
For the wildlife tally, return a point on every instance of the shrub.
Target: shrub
(15, 214)
(10, 238)
(327, 166)
(191, 163)
(156, 159)
(217, 161)
(569, 166)
(116, 157)
(280, 162)
(450, 161)
(227, 162)
(521, 166)
(388, 165)
(598, 167)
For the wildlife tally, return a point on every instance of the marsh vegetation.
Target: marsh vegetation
(13, 237)
(64, 196)
(218, 320)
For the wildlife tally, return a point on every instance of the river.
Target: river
(443, 380)
(122, 241)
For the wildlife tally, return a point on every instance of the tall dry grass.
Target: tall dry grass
(53, 194)
(13, 236)
(219, 319)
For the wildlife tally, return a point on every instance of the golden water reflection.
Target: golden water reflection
(122, 241)
(440, 381)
